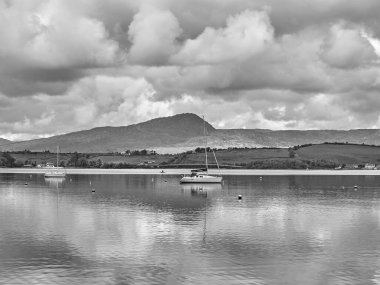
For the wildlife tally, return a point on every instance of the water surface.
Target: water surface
(148, 229)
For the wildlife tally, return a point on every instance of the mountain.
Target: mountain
(4, 141)
(184, 132)
(284, 138)
(160, 132)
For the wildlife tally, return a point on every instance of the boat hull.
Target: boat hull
(209, 179)
(57, 174)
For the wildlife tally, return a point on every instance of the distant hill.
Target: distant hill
(160, 132)
(338, 153)
(268, 138)
(286, 138)
(4, 141)
(183, 132)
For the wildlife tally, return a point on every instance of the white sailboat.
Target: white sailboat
(57, 171)
(201, 175)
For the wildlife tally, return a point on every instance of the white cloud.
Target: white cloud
(153, 33)
(93, 101)
(245, 35)
(104, 100)
(375, 42)
(49, 42)
(347, 48)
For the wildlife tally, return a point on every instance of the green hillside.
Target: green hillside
(235, 156)
(160, 132)
(307, 156)
(342, 153)
(184, 132)
(4, 141)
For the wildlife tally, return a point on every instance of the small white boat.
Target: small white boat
(200, 176)
(55, 171)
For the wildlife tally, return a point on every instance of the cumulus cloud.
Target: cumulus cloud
(289, 63)
(51, 36)
(92, 102)
(104, 100)
(72, 65)
(245, 34)
(347, 48)
(50, 42)
(153, 33)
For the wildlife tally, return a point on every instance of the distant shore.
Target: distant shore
(157, 171)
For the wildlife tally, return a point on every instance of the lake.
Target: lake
(149, 229)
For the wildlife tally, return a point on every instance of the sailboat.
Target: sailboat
(201, 175)
(56, 171)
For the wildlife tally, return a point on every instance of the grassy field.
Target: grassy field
(40, 157)
(43, 158)
(235, 156)
(344, 153)
(133, 159)
(338, 153)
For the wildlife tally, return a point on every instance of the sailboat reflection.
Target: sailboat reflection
(54, 182)
(202, 192)
(200, 189)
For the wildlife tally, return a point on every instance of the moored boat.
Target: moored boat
(55, 171)
(201, 175)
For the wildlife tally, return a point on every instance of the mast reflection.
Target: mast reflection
(200, 189)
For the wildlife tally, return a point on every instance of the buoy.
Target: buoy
(240, 197)
(152, 179)
(90, 182)
(261, 178)
(26, 184)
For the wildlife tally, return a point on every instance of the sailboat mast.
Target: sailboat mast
(204, 134)
(57, 154)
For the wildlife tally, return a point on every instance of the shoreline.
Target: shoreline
(157, 171)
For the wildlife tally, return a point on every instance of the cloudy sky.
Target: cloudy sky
(295, 64)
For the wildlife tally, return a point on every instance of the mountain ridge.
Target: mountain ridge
(182, 132)
(158, 132)
(4, 141)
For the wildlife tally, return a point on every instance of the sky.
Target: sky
(298, 64)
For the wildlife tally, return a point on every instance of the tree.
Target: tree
(292, 153)
(82, 162)
(18, 163)
(98, 163)
(73, 159)
(7, 160)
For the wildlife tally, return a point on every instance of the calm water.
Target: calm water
(144, 229)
